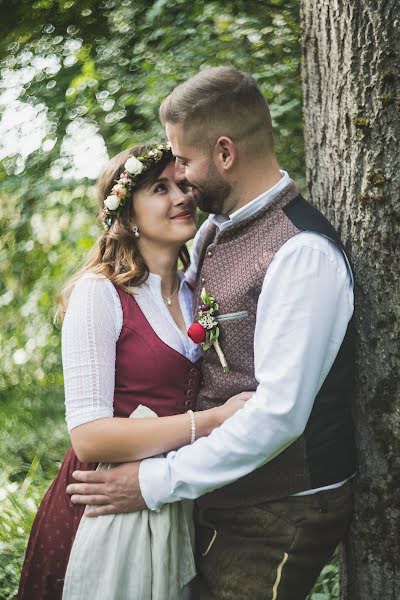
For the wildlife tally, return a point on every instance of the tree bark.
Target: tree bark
(351, 76)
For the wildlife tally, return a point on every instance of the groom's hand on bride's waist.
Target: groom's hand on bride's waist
(115, 490)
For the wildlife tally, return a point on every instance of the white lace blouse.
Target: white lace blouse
(90, 331)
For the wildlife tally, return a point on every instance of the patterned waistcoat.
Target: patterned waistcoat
(232, 268)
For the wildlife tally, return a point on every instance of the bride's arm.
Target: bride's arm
(90, 331)
(125, 440)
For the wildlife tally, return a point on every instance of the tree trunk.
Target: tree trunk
(351, 57)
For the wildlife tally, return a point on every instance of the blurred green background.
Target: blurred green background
(80, 81)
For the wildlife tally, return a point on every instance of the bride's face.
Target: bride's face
(165, 211)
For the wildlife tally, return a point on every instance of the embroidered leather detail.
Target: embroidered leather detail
(278, 576)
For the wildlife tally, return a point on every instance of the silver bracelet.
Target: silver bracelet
(192, 426)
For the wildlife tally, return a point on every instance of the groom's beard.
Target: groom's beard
(212, 191)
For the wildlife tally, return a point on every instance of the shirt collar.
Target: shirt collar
(249, 209)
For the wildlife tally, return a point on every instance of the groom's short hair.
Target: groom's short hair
(221, 101)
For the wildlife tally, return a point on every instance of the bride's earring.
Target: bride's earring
(135, 230)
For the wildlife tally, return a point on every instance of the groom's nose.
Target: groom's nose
(179, 171)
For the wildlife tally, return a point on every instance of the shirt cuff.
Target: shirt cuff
(154, 481)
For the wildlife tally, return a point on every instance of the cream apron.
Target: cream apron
(145, 555)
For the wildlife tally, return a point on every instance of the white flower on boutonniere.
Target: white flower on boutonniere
(112, 202)
(133, 166)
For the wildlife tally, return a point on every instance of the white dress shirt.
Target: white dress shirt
(303, 310)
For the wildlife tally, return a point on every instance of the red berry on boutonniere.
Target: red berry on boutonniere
(205, 330)
(197, 333)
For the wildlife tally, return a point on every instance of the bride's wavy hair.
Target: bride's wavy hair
(115, 254)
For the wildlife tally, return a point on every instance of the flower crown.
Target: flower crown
(134, 166)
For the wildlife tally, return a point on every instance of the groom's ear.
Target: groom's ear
(225, 153)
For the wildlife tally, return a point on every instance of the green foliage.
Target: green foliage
(22, 486)
(101, 68)
(327, 586)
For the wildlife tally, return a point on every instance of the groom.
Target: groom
(272, 482)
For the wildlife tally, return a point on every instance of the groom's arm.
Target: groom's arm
(302, 315)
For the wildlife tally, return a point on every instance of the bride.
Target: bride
(125, 350)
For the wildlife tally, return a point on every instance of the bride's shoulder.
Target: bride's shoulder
(95, 288)
(94, 299)
(90, 280)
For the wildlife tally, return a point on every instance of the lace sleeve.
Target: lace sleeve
(90, 331)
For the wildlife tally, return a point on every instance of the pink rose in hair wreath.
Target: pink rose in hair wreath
(119, 190)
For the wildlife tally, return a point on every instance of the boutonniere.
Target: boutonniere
(205, 330)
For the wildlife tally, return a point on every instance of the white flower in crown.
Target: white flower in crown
(133, 166)
(112, 202)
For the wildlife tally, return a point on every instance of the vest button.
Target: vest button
(209, 253)
(192, 372)
(203, 280)
(188, 403)
(189, 392)
(190, 381)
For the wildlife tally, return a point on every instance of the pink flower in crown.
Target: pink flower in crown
(103, 216)
(119, 190)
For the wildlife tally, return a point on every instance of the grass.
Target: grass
(19, 501)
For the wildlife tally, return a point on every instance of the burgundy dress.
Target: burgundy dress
(147, 372)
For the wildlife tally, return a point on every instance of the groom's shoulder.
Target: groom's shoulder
(307, 217)
(202, 232)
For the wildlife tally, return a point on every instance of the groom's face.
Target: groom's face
(200, 171)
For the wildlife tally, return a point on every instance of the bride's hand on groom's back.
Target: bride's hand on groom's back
(234, 404)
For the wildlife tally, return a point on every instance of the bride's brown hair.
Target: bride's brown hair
(115, 254)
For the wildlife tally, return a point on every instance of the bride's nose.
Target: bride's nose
(179, 196)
